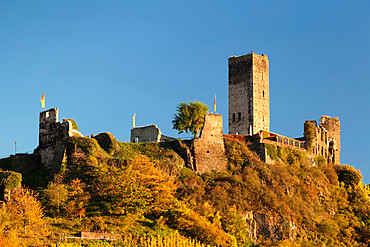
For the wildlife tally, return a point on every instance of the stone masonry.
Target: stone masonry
(209, 150)
(249, 97)
(332, 126)
(326, 141)
(249, 106)
(52, 137)
(150, 133)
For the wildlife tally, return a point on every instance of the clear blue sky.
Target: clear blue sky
(102, 61)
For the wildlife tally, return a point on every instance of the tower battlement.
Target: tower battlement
(49, 116)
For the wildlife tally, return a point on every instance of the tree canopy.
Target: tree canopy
(190, 117)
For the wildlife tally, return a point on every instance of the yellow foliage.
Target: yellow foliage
(22, 222)
(135, 187)
(77, 199)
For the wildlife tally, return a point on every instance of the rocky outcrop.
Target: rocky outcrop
(270, 227)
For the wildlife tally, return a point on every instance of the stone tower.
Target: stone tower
(332, 126)
(209, 149)
(249, 97)
(52, 138)
(51, 135)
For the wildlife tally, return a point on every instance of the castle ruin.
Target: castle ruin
(149, 133)
(52, 137)
(326, 138)
(249, 115)
(249, 110)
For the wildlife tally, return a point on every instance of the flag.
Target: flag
(133, 120)
(43, 101)
(214, 104)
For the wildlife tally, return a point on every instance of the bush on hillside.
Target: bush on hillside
(348, 175)
(107, 142)
(74, 123)
(88, 145)
(10, 180)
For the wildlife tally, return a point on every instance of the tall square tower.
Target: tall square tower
(249, 97)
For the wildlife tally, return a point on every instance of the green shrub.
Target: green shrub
(10, 180)
(128, 150)
(285, 154)
(88, 145)
(74, 124)
(348, 175)
(234, 224)
(320, 161)
(271, 151)
(107, 142)
(310, 134)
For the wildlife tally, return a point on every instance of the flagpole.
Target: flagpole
(214, 104)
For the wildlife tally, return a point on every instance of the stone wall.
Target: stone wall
(332, 126)
(249, 98)
(52, 137)
(150, 133)
(326, 141)
(209, 150)
(321, 142)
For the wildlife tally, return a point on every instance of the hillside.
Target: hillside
(140, 190)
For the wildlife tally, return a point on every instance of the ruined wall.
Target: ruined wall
(321, 142)
(52, 137)
(249, 99)
(326, 139)
(51, 133)
(209, 149)
(332, 126)
(150, 133)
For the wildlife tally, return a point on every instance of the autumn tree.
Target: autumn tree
(56, 195)
(190, 117)
(133, 187)
(27, 217)
(78, 199)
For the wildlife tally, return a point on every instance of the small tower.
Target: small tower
(209, 148)
(249, 97)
